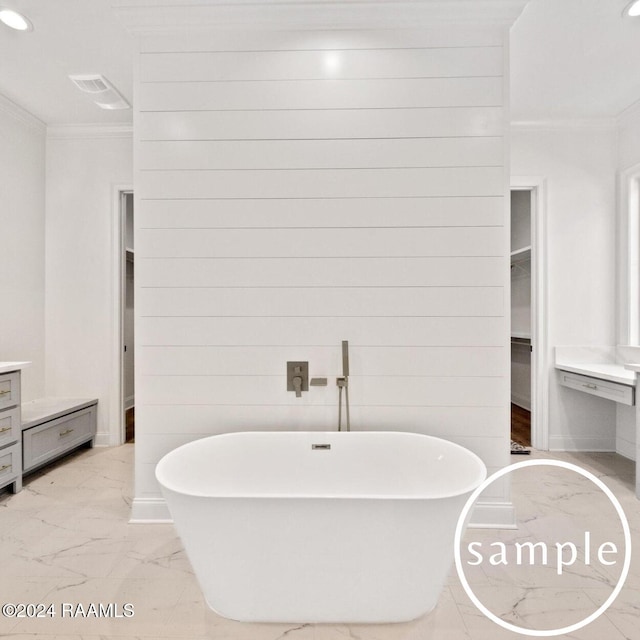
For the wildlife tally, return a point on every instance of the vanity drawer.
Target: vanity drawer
(9, 426)
(9, 389)
(621, 393)
(9, 464)
(54, 438)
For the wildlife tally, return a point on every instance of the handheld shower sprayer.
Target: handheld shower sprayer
(345, 358)
(343, 383)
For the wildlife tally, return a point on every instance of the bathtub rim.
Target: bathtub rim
(160, 472)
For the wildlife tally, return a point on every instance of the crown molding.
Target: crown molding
(89, 131)
(21, 115)
(569, 124)
(151, 17)
(630, 114)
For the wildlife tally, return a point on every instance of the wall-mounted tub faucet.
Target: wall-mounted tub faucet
(298, 377)
(343, 383)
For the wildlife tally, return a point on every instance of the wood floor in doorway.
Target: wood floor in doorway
(130, 424)
(520, 425)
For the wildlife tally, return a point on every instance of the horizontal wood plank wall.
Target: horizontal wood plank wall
(299, 189)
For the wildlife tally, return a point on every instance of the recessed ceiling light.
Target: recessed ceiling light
(15, 20)
(633, 9)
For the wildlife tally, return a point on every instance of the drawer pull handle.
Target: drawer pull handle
(5, 429)
(4, 393)
(5, 466)
(590, 386)
(64, 433)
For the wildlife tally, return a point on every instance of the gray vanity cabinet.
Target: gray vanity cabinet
(10, 433)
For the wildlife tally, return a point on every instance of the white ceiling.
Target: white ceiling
(69, 36)
(574, 59)
(569, 59)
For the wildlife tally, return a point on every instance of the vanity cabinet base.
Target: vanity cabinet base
(53, 428)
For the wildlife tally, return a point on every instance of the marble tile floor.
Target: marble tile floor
(66, 538)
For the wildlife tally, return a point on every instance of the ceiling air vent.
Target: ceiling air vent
(102, 92)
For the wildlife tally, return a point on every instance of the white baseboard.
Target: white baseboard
(521, 401)
(149, 511)
(582, 443)
(493, 515)
(102, 439)
(626, 449)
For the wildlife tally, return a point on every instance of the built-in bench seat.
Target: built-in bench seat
(52, 427)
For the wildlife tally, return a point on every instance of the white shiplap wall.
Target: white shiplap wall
(295, 189)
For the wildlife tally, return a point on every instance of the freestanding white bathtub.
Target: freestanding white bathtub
(319, 526)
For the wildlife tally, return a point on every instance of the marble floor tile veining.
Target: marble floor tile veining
(66, 542)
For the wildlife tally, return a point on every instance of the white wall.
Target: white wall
(629, 137)
(579, 166)
(22, 208)
(334, 186)
(82, 169)
(520, 220)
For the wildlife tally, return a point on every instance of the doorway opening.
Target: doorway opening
(529, 375)
(128, 333)
(521, 319)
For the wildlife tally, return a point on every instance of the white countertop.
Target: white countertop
(5, 367)
(603, 371)
(602, 362)
(35, 411)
